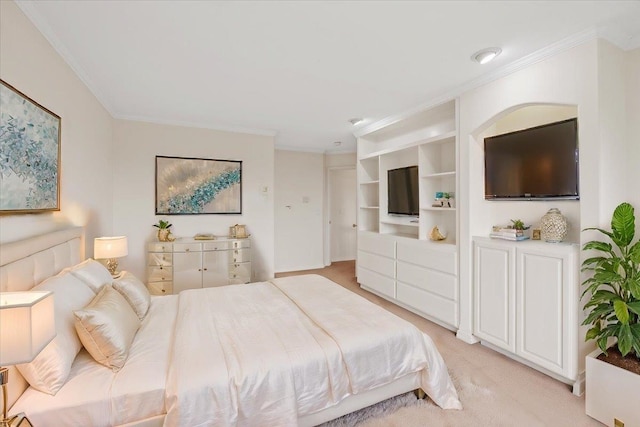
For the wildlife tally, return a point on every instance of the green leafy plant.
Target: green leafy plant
(518, 224)
(162, 224)
(614, 286)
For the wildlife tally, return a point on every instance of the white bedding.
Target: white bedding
(268, 353)
(94, 395)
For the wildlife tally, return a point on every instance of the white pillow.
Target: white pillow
(91, 272)
(135, 292)
(107, 327)
(49, 370)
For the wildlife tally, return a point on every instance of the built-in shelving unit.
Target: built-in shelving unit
(396, 259)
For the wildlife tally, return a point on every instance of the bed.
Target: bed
(299, 350)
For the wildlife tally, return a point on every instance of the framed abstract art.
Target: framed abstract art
(188, 186)
(29, 154)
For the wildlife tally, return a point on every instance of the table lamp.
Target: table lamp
(110, 248)
(27, 325)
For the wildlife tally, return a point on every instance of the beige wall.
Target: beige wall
(633, 136)
(299, 201)
(137, 144)
(30, 64)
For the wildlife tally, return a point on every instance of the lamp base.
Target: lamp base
(19, 420)
(112, 266)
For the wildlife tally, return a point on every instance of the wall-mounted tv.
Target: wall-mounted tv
(402, 191)
(538, 163)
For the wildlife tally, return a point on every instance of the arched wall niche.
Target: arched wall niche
(488, 213)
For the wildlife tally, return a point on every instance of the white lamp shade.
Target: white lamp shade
(110, 247)
(27, 325)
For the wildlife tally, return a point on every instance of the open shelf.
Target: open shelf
(370, 183)
(439, 175)
(434, 208)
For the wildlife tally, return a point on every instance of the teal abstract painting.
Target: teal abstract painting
(198, 186)
(29, 154)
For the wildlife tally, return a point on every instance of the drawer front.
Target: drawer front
(187, 247)
(160, 258)
(216, 246)
(240, 243)
(240, 271)
(160, 288)
(426, 279)
(429, 304)
(377, 244)
(160, 274)
(377, 282)
(240, 255)
(443, 261)
(160, 247)
(377, 263)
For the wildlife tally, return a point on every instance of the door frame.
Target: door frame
(327, 209)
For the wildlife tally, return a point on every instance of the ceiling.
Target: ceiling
(300, 70)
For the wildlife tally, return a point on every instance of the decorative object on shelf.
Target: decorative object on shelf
(26, 326)
(164, 234)
(515, 231)
(30, 147)
(535, 234)
(613, 293)
(436, 235)
(110, 248)
(553, 226)
(204, 236)
(238, 231)
(518, 224)
(187, 186)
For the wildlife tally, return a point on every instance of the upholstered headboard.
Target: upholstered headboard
(25, 263)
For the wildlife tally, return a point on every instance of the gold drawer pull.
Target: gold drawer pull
(205, 269)
(163, 291)
(186, 250)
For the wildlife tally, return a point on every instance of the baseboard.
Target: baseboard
(298, 268)
(467, 337)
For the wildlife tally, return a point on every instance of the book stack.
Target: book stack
(507, 233)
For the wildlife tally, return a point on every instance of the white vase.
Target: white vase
(553, 226)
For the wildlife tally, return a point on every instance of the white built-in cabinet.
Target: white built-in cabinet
(396, 259)
(526, 303)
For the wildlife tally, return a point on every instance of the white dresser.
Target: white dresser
(190, 264)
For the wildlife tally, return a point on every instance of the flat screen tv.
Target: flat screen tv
(402, 189)
(540, 163)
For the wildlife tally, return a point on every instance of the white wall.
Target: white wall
(137, 144)
(633, 136)
(30, 64)
(299, 204)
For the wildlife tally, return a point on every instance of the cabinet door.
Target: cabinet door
(541, 283)
(494, 287)
(215, 268)
(187, 271)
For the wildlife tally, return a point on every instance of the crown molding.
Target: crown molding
(199, 125)
(510, 68)
(43, 26)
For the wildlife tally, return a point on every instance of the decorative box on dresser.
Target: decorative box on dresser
(395, 258)
(527, 304)
(190, 264)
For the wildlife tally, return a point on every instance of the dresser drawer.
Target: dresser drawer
(241, 243)
(160, 247)
(441, 260)
(240, 271)
(377, 244)
(160, 288)
(428, 303)
(240, 255)
(216, 246)
(160, 274)
(160, 259)
(187, 247)
(379, 264)
(429, 280)
(377, 282)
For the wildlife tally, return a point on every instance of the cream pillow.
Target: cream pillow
(91, 272)
(135, 292)
(106, 327)
(49, 370)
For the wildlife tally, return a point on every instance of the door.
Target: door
(342, 214)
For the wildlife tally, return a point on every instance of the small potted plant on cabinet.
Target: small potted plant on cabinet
(164, 234)
(613, 290)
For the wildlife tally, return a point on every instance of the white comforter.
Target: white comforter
(267, 353)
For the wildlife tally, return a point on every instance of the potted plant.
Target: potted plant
(164, 234)
(613, 290)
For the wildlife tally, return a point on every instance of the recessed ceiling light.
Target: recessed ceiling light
(356, 120)
(485, 55)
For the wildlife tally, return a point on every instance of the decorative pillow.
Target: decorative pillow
(107, 327)
(91, 272)
(135, 292)
(49, 370)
